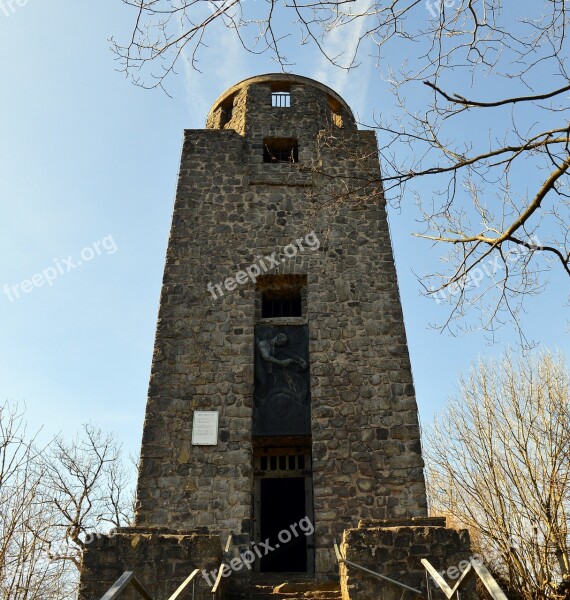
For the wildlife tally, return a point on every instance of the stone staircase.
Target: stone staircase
(294, 590)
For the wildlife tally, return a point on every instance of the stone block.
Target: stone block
(160, 558)
(394, 548)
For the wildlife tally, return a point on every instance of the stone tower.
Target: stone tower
(281, 394)
(279, 227)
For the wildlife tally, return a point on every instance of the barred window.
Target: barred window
(281, 99)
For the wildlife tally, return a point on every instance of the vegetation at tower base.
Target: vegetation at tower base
(54, 497)
(480, 101)
(498, 462)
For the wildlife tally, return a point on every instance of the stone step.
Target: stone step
(295, 590)
(316, 594)
(298, 596)
(300, 593)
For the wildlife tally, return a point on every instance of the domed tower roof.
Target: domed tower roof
(250, 100)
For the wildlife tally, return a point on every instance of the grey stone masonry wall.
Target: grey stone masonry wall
(160, 559)
(232, 208)
(395, 549)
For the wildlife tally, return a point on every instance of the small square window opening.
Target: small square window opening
(281, 296)
(281, 99)
(280, 150)
(273, 306)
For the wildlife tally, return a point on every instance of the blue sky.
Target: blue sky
(88, 166)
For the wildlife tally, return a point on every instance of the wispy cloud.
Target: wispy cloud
(224, 62)
(223, 66)
(343, 42)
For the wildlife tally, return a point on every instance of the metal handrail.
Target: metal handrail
(474, 567)
(440, 581)
(340, 558)
(126, 579)
(222, 565)
(218, 579)
(185, 583)
(451, 593)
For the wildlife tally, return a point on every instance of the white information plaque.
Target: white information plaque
(205, 428)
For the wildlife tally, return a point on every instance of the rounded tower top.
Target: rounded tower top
(255, 98)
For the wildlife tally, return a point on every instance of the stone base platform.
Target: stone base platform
(394, 548)
(160, 558)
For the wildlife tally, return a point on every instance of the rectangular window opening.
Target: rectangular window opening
(281, 94)
(281, 307)
(335, 112)
(280, 296)
(282, 459)
(281, 99)
(227, 110)
(280, 150)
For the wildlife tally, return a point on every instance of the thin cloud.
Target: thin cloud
(342, 42)
(223, 67)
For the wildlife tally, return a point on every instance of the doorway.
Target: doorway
(284, 509)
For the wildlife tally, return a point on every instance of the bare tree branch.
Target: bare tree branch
(470, 163)
(53, 500)
(498, 463)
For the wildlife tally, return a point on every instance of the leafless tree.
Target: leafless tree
(53, 499)
(481, 104)
(499, 463)
(89, 487)
(26, 517)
